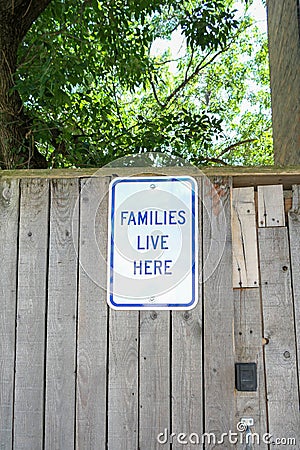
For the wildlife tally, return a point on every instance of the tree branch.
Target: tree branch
(189, 78)
(155, 93)
(200, 67)
(189, 65)
(167, 61)
(10, 5)
(119, 115)
(215, 160)
(236, 144)
(30, 10)
(218, 159)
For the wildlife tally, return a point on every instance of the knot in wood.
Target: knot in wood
(6, 194)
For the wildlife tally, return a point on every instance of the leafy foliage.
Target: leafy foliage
(96, 91)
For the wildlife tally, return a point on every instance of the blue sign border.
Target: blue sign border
(124, 306)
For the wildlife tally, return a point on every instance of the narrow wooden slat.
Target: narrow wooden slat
(271, 206)
(294, 233)
(187, 367)
(244, 242)
(154, 377)
(249, 349)
(279, 330)
(31, 307)
(9, 216)
(186, 373)
(295, 198)
(61, 326)
(123, 380)
(241, 176)
(92, 316)
(218, 309)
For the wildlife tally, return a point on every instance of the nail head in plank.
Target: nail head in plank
(92, 316)
(218, 308)
(271, 206)
(31, 310)
(62, 310)
(187, 364)
(279, 330)
(9, 213)
(294, 234)
(123, 389)
(154, 376)
(244, 240)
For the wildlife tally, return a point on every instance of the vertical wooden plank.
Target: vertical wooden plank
(123, 380)
(186, 373)
(271, 206)
(61, 326)
(218, 309)
(31, 308)
(154, 377)
(187, 368)
(279, 330)
(244, 242)
(92, 316)
(249, 349)
(294, 232)
(9, 217)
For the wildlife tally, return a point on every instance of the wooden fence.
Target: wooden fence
(76, 374)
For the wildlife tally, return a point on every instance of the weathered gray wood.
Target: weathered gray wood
(218, 309)
(294, 233)
(244, 242)
(271, 206)
(295, 198)
(123, 392)
(154, 377)
(187, 367)
(186, 373)
(119, 399)
(62, 309)
(249, 348)
(9, 216)
(279, 330)
(241, 176)
(31, 307)
(92, 317)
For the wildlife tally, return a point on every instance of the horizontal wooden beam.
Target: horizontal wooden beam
(241, 176)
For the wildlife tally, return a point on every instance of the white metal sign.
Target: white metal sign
(153, 243)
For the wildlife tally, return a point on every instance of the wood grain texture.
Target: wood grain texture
(187, 366)
(241, 176)
(279, 330)
(31, 309)
(294, 239)
(271, 206)
(244, 242)
(249, 348)
(123, 389)
(186, 373)
(154, 377)
(218, 308)
(62, 309)
(92, 317)
(9, 217)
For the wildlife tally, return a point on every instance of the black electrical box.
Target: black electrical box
(246, 376)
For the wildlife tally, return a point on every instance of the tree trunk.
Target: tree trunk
(17, 147)
(284, 51)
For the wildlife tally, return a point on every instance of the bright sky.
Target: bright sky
(258, 12)
(177, 44)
